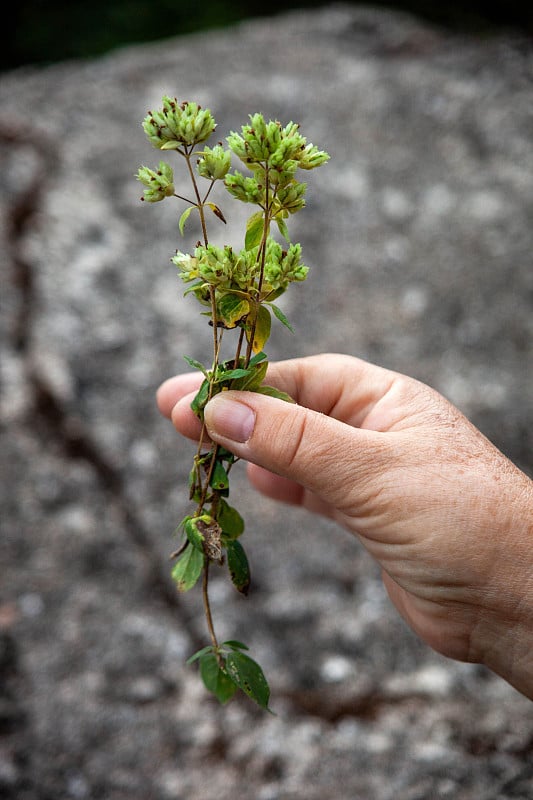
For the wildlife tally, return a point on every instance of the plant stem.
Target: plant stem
(214, 448)
(199, 204)
(239, 346)
(207, 607)
(216, 338)
(262, 250)
(266, 229)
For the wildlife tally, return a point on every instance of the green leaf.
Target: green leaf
(215, 679)
(225, 455)
(231, 309)
(254, 231)
(271, 391)
(199, 654)
(230, 520)
(188, 569)
(253, 378)
(184, 217)
(219, 477)
(232, 374)
(283, 229)
(200, 399)
(235, 645)
(195, 537)
(201, 290)
(249, 677)
(195, 365)
(281, 316)
(256, 359)
(195, 489)
(182, 523)
(238, 566)
(273, 294)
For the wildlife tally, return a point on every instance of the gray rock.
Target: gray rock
(419, 237)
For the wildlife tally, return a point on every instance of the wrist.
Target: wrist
(503, 636)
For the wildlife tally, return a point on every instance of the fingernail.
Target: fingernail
(229, 418)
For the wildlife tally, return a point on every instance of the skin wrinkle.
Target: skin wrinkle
(326, 456)
(296, 438)
(441, 509)
(371, 420)
(333, 393)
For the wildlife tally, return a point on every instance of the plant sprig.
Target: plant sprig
(237, 290)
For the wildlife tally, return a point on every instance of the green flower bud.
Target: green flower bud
(288, 148)
(159, 184)
(175, 125)
(274, 146)
(292, 256)
(274, 252)
(187, 265)
(312, 157)
(257, 141)
(247, 189)
(245, 269)
(291, 197)
(272, 274)
(210, 264)
(282, 176)
(300, 273)
(235, 185)
(215, 163)
(292, 269)
(216, 265)
(283, 267)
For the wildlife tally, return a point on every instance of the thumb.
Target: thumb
(336, 461)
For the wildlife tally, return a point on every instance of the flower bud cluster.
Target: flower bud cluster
(214, 163)
(274, 146)
(283, 266)
(291, 198)
(175, 125)
(221, 267)
(247, 189)
(225, 269)
(159, 184)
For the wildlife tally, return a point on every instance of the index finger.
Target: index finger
(341, 386)
(173, 389)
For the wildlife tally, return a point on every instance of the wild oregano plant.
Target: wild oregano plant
(236, 290)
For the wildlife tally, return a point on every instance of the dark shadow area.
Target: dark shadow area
(57, 30)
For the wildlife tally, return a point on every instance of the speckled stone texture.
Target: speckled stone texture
(419, 236)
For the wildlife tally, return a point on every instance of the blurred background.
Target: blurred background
(419, 237)
(54, 30)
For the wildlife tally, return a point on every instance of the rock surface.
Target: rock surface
(420, 240)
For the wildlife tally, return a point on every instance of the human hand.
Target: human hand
(446, 515)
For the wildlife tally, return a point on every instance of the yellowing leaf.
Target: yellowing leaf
(262, 329)
(216, 211)
(254, 230)
(231, 309)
